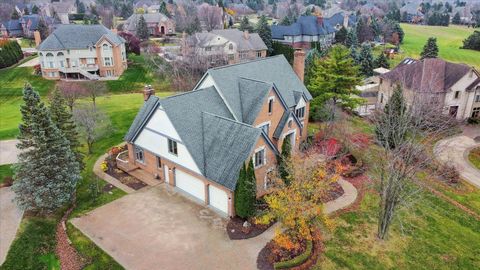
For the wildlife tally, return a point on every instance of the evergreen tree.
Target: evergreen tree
(35, 10)
(355, 55)
(127, 11)
(163, 9)
(341, 35)
(245, 193)
(265, 32)
(15, 15)
(382, 61)
(142, 30)
(366, 60)
(284, 161)
(430, 50)
(47, 172)
(473, 41)
(456, 19)
(62, 118)
(43, 29)
(351, 39)
(387, 131)
(245, 25)
(334, 79)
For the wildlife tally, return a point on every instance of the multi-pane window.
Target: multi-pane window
(300, 112)
(476, 112)
(139, 155)
(107, 61)
(259, 54)
(172, 147)
(477, 98)
(260, 158)
(208, 49)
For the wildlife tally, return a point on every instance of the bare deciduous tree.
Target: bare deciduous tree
(211, 16)
(92, 123)
(94, 89)
(71, 91)
(406, 130)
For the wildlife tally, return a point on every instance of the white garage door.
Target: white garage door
(218, 198)
(190, 185)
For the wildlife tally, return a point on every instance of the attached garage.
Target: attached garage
(190, 184)
(218, 199)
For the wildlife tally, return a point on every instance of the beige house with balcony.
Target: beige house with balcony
(82, 52)
(228, 45)
(454, 87)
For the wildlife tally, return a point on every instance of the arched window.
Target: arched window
(61, 59)
(60, 54)
(230, 47)
(105, 47)
(50, 62)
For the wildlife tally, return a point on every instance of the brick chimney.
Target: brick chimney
(246, 35)
(147, 92)
(38, 38)
(299, 63)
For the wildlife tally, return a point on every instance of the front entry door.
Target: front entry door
(165, 172)
(453, 111)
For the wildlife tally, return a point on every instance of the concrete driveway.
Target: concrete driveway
(454, 150)
(10, 217)
(8, 152)
(156, 228)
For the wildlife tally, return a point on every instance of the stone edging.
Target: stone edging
(100, 173)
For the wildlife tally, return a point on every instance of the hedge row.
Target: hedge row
(297, 260)
(10, 53)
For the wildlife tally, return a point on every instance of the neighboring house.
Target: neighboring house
(229, 45)
(308, 29)
(369, 92)
(454, 87)
(158, 24)
(413, 11)
(25, 26)
(82, 52)
(198, 141)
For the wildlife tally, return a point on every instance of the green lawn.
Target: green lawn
(5, 170)
(474, 157)
(449, 40)
(34, 245)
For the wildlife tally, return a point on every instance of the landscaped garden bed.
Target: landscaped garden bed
(237, 231)
(109, 166)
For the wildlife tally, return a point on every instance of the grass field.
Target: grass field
(474, 157)
(449, 40)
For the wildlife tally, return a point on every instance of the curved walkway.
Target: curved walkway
(10, 218)
(454, 150)
(349, 196)
(8, 152)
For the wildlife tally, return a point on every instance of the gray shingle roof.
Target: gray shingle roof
(227, 145)
(76, 36)
(254, 41)
(252, 96)
(142, 117)
(309, 26)
(274, 69)
(281, 124)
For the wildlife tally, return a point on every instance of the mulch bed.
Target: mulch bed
(68, 256)
(125, 178)
(362, 183)
(265, 262)
(235, 229)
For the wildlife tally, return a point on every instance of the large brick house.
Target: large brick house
(158, 24)
(454, 87)
(82, 52)
(197, 141)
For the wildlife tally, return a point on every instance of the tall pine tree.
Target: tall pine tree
(245, 25)
(47, 173)
(265, 32)
(245, 193)
(430, 50)
(366, 60)
(142, 30)
(382, 61)
(351, 39)
(62, 118)
(284, 161)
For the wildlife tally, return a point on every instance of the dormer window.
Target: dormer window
(300, 112)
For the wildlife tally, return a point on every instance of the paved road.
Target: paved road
(10, 217)
(8, 152)
(454, 150)
(156, 228)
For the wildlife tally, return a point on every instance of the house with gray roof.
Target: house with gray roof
(25, 26)
(87, 52)
(454, 87)
(309, 29)
(198, 141)
(225, 45)
(158, 24)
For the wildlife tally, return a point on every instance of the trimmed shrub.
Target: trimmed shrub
(297, 260)
(10, 53)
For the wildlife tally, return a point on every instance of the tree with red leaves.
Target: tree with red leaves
(132, 43)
